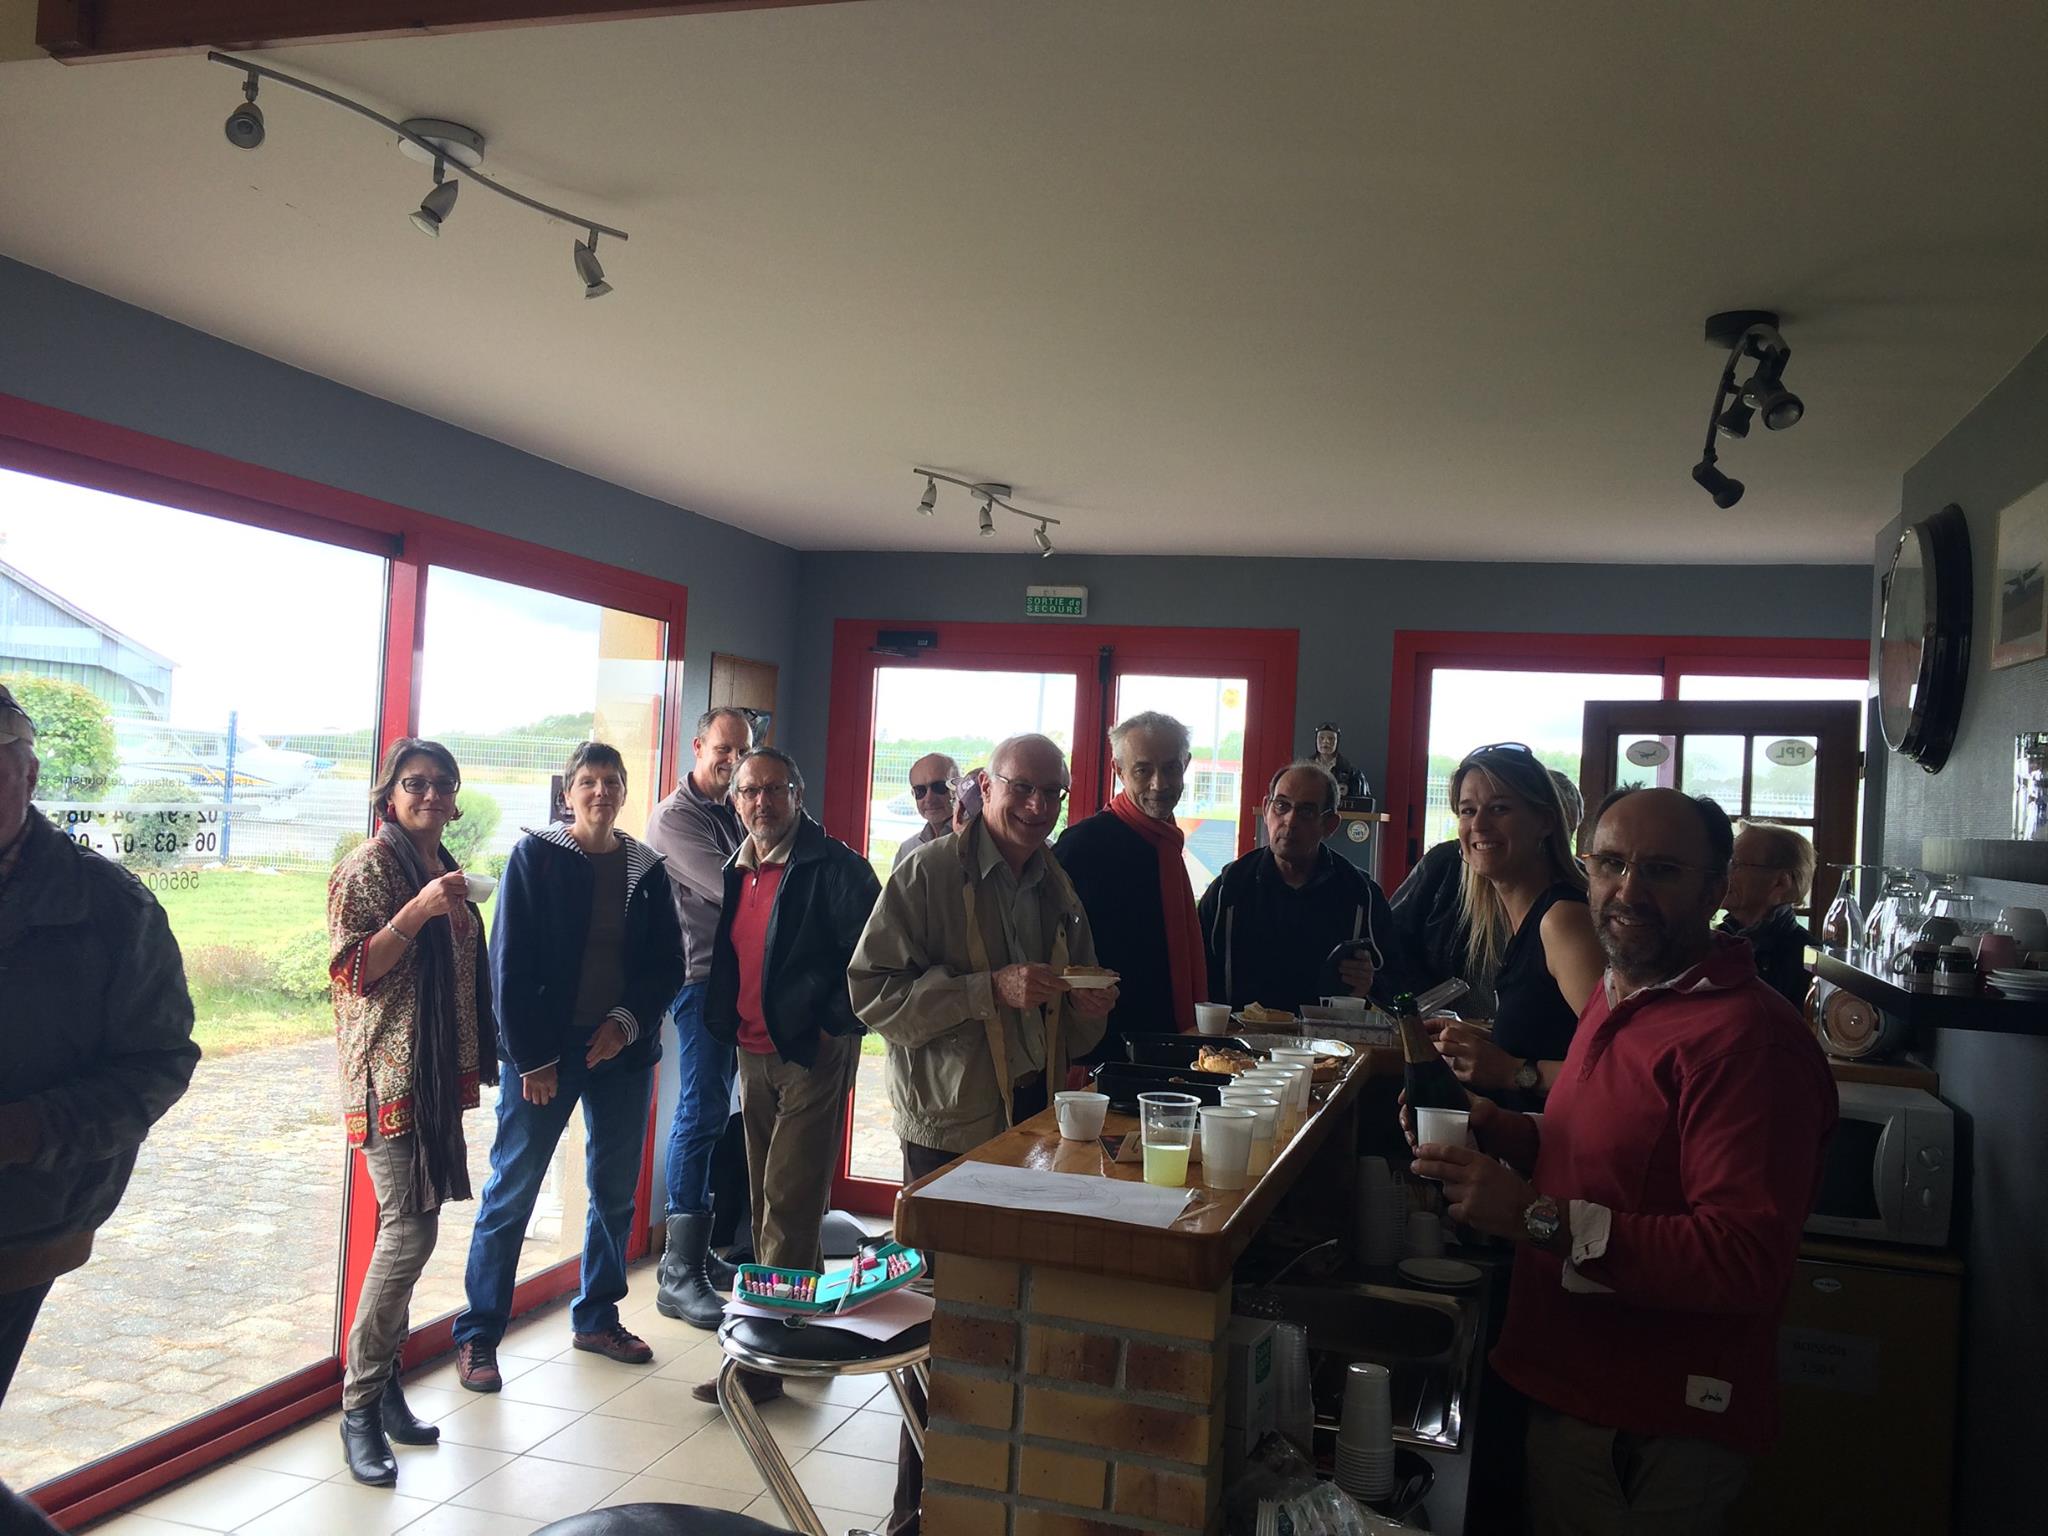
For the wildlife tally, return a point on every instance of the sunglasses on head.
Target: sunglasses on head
(1502, 746)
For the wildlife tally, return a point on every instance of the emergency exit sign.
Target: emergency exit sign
(1055, 602)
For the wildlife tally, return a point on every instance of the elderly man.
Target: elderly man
(959, 971)
(932, 778)
(1769, 878)
(795, 903)
(696, 832)
(1125, 862)
(95, 1039)
(1668, 1184)
(1292, 922)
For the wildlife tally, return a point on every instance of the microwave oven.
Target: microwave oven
(1889, 1172)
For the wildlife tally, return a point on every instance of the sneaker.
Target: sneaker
(760, 1387)
(615, 1343)
(476, 1366)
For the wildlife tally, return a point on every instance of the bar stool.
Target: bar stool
(659, 1520)
(778, 1348)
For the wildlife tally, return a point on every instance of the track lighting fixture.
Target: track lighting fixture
(590, 269)
(245, 123)
(991, 494)
(437, 204)
(448, 147)
(1747, 334)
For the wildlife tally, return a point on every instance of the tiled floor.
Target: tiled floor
(570, 1432)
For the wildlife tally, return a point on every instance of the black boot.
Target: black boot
(682, 1291)
(718, 1274)
(400, 1422)
(367, 1451)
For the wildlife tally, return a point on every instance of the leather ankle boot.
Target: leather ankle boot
(367, 1451)
(400, 1422)
(718, 1274)
(682, 1291)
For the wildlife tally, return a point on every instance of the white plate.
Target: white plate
(1451, 1274)
(1089, 983)
(2014, 973)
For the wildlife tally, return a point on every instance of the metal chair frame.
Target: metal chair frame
(761, 1448)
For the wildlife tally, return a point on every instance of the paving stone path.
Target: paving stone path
(219, 1272)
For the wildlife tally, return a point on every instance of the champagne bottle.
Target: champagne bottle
(1426, 1077)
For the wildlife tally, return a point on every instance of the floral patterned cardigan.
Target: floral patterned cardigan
(376, 1025)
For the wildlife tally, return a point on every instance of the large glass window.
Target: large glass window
(512, 680)
(207, 695)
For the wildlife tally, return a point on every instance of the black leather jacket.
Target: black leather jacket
(821, 907)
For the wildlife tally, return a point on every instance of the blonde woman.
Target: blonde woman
(1522, 906)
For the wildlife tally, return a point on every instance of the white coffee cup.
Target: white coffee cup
(480, 886)
(1081, 1114)
(1212, 1018)
(1443, 1127)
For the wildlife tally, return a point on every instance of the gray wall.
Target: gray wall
(68, 347)
(1998, 1082)
(1346, 610)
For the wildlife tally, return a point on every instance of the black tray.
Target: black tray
(1177, 1050)
(1123, 1081)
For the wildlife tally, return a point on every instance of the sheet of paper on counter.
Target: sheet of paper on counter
(1033, 1189)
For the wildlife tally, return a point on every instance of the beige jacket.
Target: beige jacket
(920, 978)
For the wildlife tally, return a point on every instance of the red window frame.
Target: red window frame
(1268, 659)
(60, 445)
(1418, 653)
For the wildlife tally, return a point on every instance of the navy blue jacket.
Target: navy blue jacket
(537, 941)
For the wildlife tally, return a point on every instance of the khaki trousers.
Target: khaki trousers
(1585, 1480)
(795, 1118)
(404, 1244)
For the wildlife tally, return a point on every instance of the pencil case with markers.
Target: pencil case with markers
(877, 1269)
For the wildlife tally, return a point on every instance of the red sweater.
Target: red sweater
(750, 946)
(1696, 1112)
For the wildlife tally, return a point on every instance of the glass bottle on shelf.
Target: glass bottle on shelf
(1842, 928)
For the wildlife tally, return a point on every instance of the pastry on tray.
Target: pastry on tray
(1216, 1059)
(1254, 1013)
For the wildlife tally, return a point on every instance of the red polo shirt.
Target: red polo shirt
(750, 945)
(1696, 1112)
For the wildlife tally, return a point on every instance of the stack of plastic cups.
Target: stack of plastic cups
(1365, 1438)
(1265, 1109)
(1380, 1214)
(1294, 1411)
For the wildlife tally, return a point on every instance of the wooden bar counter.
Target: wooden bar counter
(1078, 1364)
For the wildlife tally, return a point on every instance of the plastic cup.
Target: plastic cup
(1212, 1018)
(1081, 1114)
(1368, 1408)
(1166, 1124)
(1226, 1145)
(1443, 1127)
(1281, 1086)
(1425, 1237)
(1265, 1108)
(1302, 1077)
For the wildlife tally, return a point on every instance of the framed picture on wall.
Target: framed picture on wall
(2020, 609)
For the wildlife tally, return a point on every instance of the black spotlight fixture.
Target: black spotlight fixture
(1747, 335)
(244, 126)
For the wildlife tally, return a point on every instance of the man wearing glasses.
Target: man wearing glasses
(1292, 922)
(932, 778)
(1666, 1189)
(97, 1043)
(795, 902)
(959, 970)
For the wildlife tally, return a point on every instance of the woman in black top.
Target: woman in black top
(1522, 905)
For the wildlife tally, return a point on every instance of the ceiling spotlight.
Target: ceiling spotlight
(437, 204)
(1734, 422)
(1726, 492)
(928, 503)
(590, 269)
(1044, 540)
(1778, 406)
(245, 124)
(988, 520)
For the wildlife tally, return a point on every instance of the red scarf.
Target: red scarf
(1186, 962)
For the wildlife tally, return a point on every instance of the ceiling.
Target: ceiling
(1197, 276)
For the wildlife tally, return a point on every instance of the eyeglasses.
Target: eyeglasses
(943, 788)
(419, 784)
(752, 792)
(1282, 808)
(1613, 868)
(1502, 746)
(1024, 789)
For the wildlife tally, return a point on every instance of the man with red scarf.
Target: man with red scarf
(1125, 863)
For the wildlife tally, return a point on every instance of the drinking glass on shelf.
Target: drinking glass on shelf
(1894, 920)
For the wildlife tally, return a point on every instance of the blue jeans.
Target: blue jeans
(703, 1101)
(615, 1124)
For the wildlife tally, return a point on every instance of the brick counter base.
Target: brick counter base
(1065, 1404)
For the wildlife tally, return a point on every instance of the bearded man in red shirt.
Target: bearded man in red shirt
(1668, 1183)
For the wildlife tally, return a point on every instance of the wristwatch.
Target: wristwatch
(1542, 1219)
(1527, 1078)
